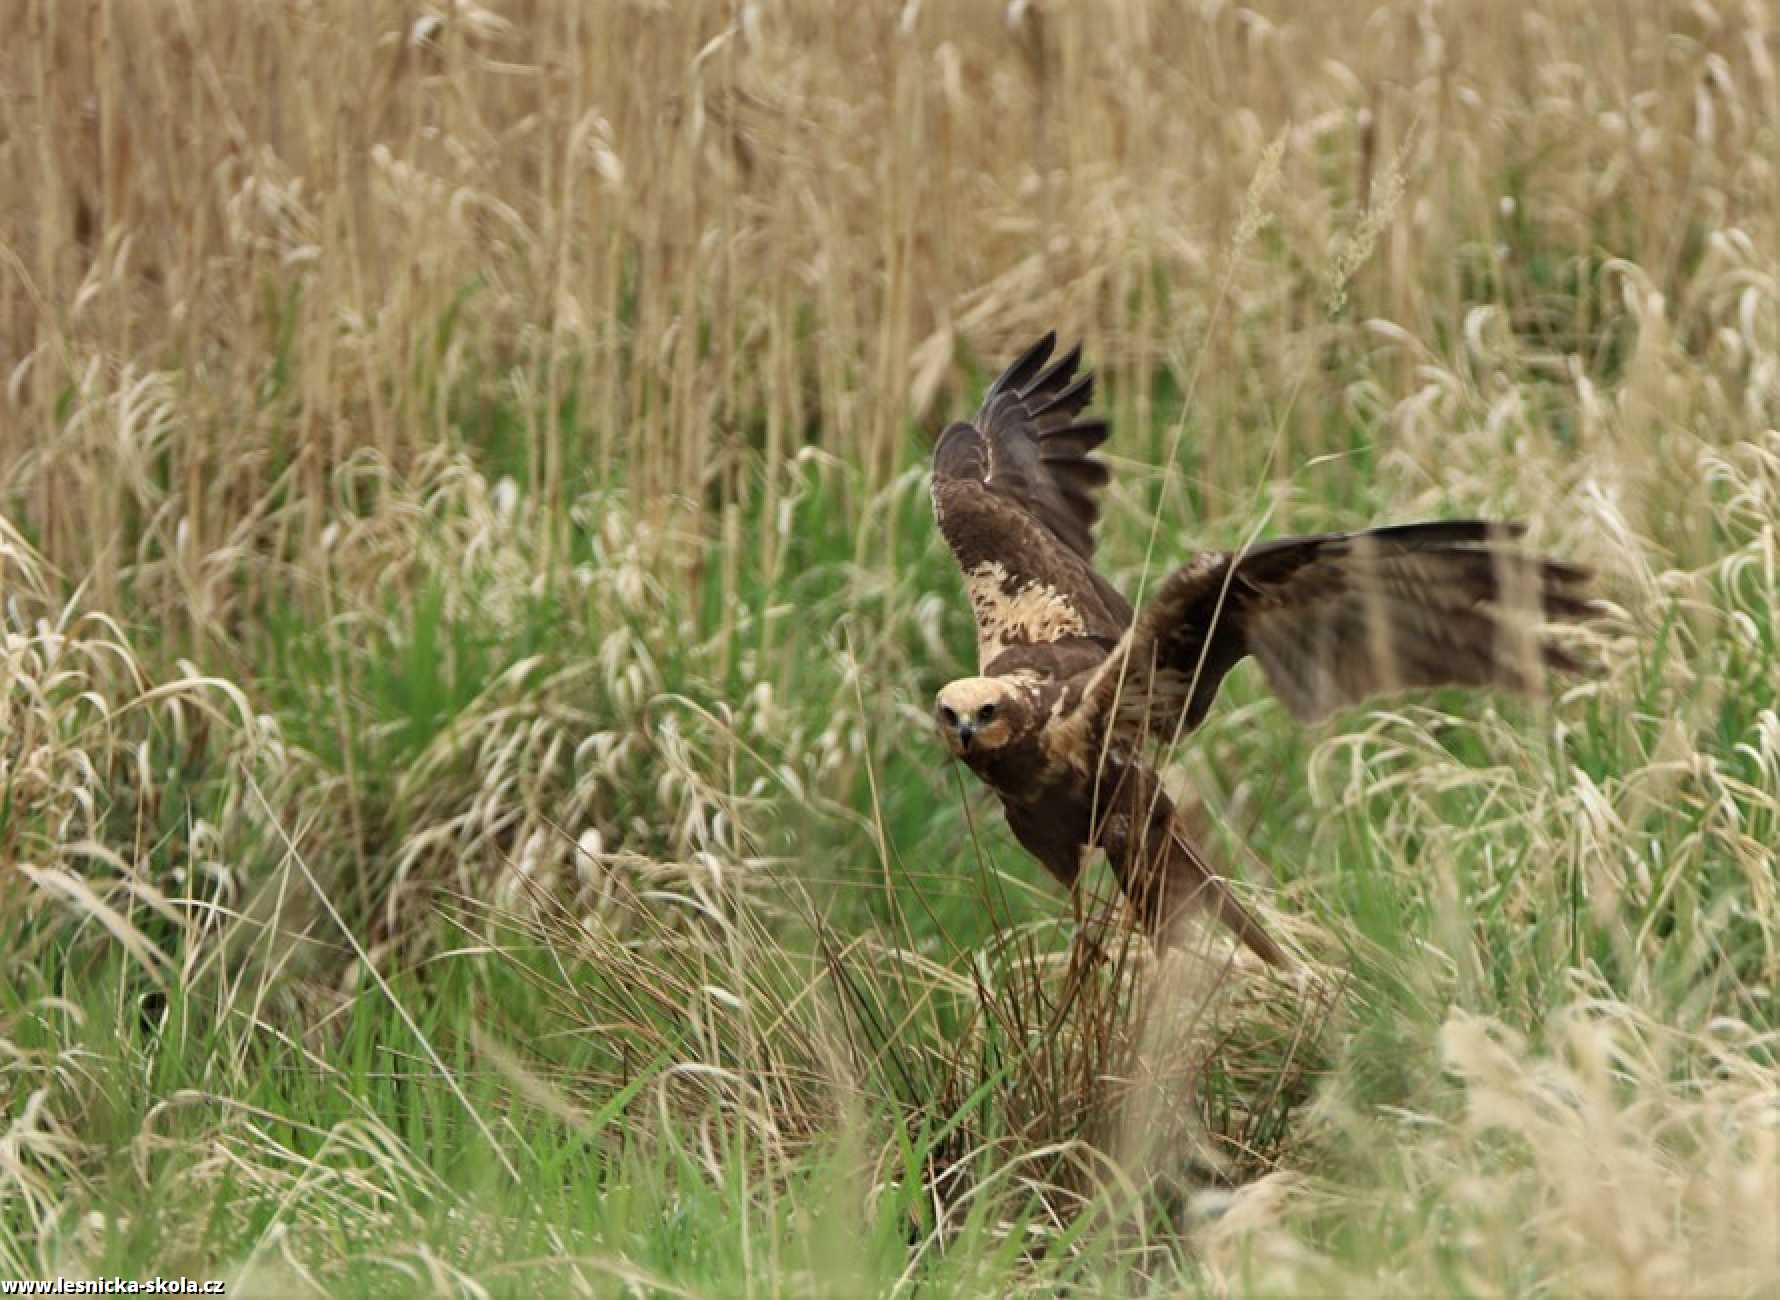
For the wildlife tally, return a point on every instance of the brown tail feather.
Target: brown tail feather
(1164, 874)
(1190, 885)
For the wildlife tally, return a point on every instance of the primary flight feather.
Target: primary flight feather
(1073, 687)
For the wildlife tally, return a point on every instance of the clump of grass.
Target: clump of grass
(1610, 1154)
(119, 815)
(467, 817)
(1056, 1096)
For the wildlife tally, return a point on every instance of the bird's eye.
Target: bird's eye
(947, 716)
(985, 713)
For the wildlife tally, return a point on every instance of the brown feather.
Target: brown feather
(1016, 496)
(1338, 618)
(1163, 873)
(1082, 685)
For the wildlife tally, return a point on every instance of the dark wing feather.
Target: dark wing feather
(1015, 496)
(1336, 619)
(1039, 450)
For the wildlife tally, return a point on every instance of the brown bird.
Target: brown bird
(1074, 690)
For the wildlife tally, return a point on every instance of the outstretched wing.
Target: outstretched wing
(1335, 619)
(1015, 496)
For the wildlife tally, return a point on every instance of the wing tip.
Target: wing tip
(1019, 376)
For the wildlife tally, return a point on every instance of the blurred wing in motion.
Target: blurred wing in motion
(1336, 619)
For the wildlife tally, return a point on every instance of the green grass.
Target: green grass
(470, 611)
(758, 1084)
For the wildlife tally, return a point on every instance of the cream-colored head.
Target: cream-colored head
(978, 715)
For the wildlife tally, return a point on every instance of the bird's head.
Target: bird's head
(978, 715)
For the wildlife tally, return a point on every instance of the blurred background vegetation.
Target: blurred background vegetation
(468, 818)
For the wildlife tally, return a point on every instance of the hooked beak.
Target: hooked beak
(957, 733)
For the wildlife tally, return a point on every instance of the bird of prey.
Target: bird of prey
(1074, 689)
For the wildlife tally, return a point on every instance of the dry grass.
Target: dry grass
(468, 611)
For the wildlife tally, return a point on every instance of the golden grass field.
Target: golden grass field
(469, 820)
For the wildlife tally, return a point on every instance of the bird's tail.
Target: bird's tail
(1189, 884)
(1165, 875)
